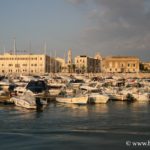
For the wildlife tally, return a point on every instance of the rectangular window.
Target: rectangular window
(17, 65)
(24, 64)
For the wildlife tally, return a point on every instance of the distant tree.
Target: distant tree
(73, 67)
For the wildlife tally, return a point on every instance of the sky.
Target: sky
(110, 27)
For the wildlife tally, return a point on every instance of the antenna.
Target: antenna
(55, 63)
(50, 69)
(29, 47)
(65, 56)
(29, 55)
(4, 49)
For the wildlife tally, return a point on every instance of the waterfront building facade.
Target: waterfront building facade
(62, 65)
(55, 65)
(38, 64)
(145, 66)
(67, 66)
(85, 64)
(24, 63)
(121, 64)
(99, 57)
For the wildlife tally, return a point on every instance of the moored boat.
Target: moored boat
(73, 100)
(98, 98)
(28, 100)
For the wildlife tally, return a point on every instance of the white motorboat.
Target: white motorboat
(91, 86)
(118, 96)
(28, 100)
(76, 83)
(21, 88)
(55, 89)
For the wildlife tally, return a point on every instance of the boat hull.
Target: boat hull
(23, 103)
(73, 100)
(98, 99)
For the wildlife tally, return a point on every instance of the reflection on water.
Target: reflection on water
(69, 126)
(99, 108)
(84, 110)
(140, 104)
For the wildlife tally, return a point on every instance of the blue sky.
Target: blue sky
(110, 27)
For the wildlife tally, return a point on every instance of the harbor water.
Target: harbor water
(71, 127)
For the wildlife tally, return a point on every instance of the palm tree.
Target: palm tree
(73, 67)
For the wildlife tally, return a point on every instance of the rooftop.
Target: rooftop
(122, 57)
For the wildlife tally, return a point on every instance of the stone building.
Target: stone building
(99, 57)
(121, 64)
(145, 66)
(70, 65)
(67, 66)
(26, 64)
(62, 64)
(85, 64)
(55, 65)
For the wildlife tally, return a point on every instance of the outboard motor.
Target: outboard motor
(38, 103)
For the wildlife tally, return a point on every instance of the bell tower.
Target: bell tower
(98, 56)
(70, 56)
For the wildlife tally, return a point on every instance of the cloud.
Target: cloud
(76, 2)
(118, 25)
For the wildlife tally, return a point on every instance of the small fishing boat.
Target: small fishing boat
(77, 99)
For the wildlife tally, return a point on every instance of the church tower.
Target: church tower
(98, 56)
(70, 56)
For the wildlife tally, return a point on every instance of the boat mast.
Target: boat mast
(14, 45)
(4, 49)
(46, 60)
(29, 54)
(55, 63)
